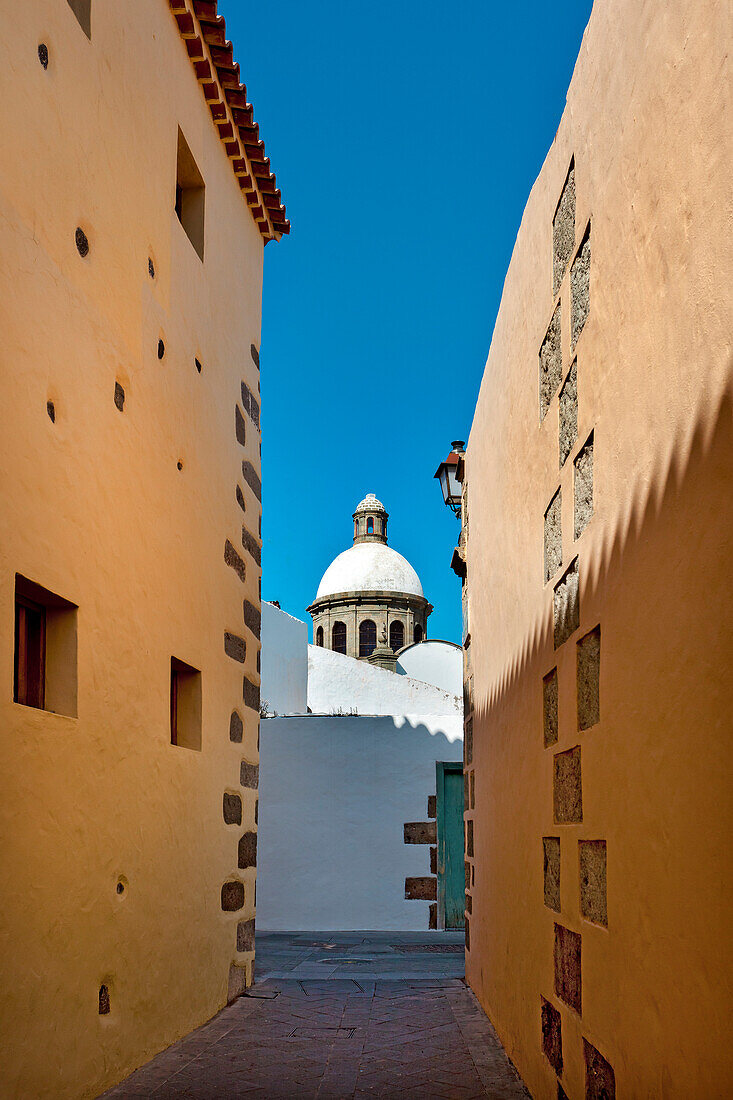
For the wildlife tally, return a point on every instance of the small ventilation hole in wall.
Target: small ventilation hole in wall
(161, 349)
(82, 242)
(151, 267)
(51, 410)
(119, 396)
(179, 464)
(198, 365)
(104, 1005)
(120, 887)
(43, 54)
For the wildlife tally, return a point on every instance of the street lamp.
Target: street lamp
(446, 473)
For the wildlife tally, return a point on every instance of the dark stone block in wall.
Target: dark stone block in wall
(431, 805)
(246, 935)
(563, 230)
(567, 789)
(232, 809)
(251, 406)
(583, 488)
(420, 832)
(251, 477)
(561, 1094)
(553, 536)
(589, 679)
(592, 864)
(251, 545)
(600, 1080)
(550, 363)
(551, 849)
(552, 1035)
(424, 888)
(433, 861)
(252, 618)
(566, 605)
(467, 873)
(469, 903)
(251, 693)
(240, 429)
(433, 915)
(568, 413)
(257, 814)
(473, 790)
(255, 355)
(567, 967)
(580, 289)
(119, 397)
(247, 856)
(232, 558)
(468, 741)
(549, 707)
(469, 837)
(236, 727)
(235, 647)
(467, 932)
(249, 775)
(232, 896)
(240, 499)
(237, 984)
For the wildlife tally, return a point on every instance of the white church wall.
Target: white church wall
(337, 682)
(283, 662)
(435, 662)
(335, 794)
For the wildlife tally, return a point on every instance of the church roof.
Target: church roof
(369, 567)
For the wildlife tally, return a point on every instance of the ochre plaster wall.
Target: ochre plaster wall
(95, 509)
(648, 122)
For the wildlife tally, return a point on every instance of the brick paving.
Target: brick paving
(413, 1036)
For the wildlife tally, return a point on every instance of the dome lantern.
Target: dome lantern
(370, 520)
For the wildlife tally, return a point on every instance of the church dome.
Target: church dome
(369, 567)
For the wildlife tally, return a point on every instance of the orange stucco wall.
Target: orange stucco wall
(648, 122)
(95, 509)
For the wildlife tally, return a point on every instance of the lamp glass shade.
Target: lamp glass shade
(449, 484)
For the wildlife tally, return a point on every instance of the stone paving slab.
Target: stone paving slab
(302, 1038)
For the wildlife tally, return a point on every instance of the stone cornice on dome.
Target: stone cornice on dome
(379, 596)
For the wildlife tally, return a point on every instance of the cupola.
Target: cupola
(370, 520)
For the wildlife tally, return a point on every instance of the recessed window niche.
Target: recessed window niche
(82, 9)
(185, 705)
(45, 672)
(190, 196)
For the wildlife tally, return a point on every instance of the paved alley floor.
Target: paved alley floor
(337, 1015)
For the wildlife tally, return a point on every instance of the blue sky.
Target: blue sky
(405, 137)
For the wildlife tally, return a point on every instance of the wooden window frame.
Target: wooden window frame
(29, 694)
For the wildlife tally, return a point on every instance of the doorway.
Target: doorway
(449, 817)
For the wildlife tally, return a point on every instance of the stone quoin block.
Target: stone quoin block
(252, 618)
(232, 809)
(600, 1080)
(583, 488)
(236, 727)
(251, 545)
(251, 694)
(553, 536)
(432, 811)
(251, 406)
(567, 788)
(568, 413)
(467, 873)
(246, 935)
(469, 903)
(240, 499)
(563, 230)
(465, 789)
(549, 707)
(232, 559)
(568, 967)
(433, 915)
(433, 861)
(421, 889)
(240, 429)
(247, 852)
(593, 893)
(473, 790)
(237, 984)
(550, 363)
(467, 932)
(566, 605)
(249, 775)
(580, 289)
(235, 647)
(588, 679)
(232, 896)
(551, 862)
(420, 832)
(552, 1035)
(468, 741)
(255, 355)
(469, 837)
(250, 476)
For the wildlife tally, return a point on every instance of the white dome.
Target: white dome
(367, 567)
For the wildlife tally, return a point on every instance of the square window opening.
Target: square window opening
(190, 196)
(45, 665)
(185, 705)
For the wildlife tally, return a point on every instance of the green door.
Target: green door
(451, 874)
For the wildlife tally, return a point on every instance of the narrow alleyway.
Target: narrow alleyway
(336, 1015)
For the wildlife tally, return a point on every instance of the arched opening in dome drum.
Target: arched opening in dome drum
(370, 526)
(367, 637)
(319, 636)
(396, 635)
(338, 637)
(417, 633)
